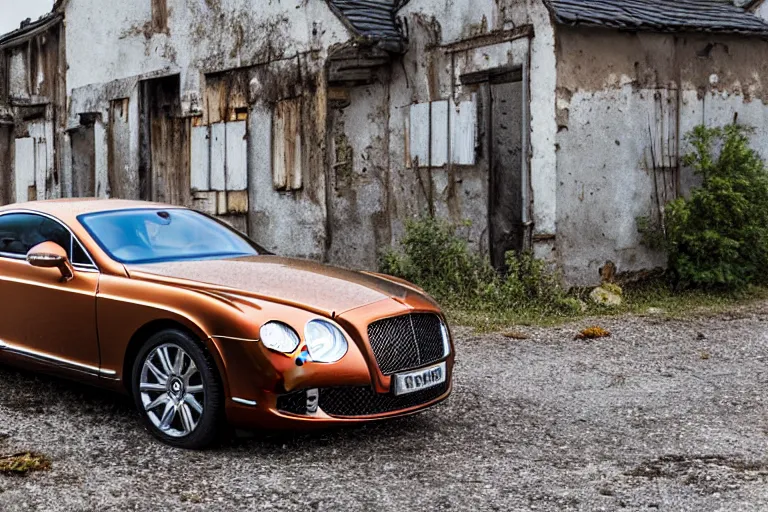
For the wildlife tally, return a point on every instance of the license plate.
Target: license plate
(417, 380)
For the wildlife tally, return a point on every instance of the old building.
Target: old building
(321, 126)
(632, 79)
(32, 110)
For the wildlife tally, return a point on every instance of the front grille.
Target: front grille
(353, 402)
(406, 342)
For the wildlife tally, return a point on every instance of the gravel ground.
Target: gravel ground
(665, 414)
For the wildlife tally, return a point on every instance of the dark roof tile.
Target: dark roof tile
(372, 19)
(659, 15)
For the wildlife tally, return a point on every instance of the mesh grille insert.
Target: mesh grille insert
(351, 402)
(406, 342)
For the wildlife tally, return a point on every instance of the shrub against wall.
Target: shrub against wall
(718, 238)
(434, 257)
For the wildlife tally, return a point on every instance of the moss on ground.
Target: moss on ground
(23, 463)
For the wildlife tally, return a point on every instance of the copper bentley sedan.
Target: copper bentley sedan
(204, 328)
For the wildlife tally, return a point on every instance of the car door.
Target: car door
(41, 316)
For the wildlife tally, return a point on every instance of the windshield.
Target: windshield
(150, 236)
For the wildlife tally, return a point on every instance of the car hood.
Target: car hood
(322, 288)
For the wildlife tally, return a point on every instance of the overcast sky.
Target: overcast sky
(13, 11)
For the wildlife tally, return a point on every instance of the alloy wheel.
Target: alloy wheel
(172, 390)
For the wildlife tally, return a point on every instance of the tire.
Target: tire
(180, 403)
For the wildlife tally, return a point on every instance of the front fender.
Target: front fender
(125, 306)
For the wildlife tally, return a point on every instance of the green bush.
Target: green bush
(434, 257)
(718, 238)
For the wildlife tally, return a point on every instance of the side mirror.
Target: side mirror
(51, 255)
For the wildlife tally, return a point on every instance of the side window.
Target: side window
(79, 257)
(19, 232)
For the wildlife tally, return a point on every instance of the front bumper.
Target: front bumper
(268, 390)
(268, 414)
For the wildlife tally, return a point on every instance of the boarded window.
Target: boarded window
(287, 145)
(159, 16)
(429, 135)
(18, 75)
(220, 157)
(226, 97)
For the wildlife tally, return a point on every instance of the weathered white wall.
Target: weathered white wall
(617, 99)
(359, 192)
(762, 11)
(106, 58)
(202, 36)
(431, 73)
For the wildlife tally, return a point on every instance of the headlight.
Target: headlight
(325, 342)
(279, 337)
(446, 338)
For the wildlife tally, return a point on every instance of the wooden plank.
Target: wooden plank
(101, 164)
(218, 180)
(237, 202)
(464, 132)
(200, 159)
(123, 182)
(418, 131)
(41, 169)
(23, 168)
(287, 146)
(221, 203)
(490, 39)
(439, 133)
(205, 202)
(170, 160)
(237, 156)
(38, 131)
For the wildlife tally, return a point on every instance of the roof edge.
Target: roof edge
(389, 44)
(748, 9)
(21, 35)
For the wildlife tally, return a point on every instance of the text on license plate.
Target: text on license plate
(420, 379)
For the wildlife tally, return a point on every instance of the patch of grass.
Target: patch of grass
(681, 303)
(529, 292)
(656, 297)
(23, 463)
(434, 257)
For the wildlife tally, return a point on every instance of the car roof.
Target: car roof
(70, 208)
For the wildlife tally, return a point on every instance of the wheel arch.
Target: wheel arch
(145, 332)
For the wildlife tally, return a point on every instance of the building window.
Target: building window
(287, 153)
